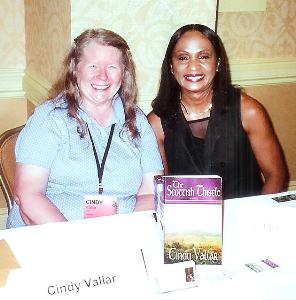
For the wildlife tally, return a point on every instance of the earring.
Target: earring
(218, 64)
(172, 70)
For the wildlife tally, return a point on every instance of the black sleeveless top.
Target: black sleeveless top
(225, 151)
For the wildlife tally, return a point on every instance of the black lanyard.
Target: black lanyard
(100, 167)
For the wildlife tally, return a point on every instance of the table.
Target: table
(254, 228)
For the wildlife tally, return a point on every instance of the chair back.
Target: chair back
(8, 163)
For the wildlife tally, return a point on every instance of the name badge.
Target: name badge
(99, 205)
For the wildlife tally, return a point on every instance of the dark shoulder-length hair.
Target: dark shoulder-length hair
(168, 96)
(128, 89)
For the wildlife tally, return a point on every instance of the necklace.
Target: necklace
(194, 115)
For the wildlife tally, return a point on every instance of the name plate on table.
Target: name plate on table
(123, 276)
(83, 259)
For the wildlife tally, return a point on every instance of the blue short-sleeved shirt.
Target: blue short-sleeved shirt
(50, 140)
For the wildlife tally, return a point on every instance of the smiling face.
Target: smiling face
(194, 63)
(99, 74)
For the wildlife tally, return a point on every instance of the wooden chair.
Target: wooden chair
(8, 163)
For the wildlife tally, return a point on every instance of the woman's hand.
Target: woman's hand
(145, 195)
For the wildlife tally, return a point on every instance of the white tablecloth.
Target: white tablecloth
(255, 228)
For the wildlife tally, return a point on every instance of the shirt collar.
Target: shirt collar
(119, 115)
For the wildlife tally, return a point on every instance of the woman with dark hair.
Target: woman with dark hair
(90, 144)
(205, 125)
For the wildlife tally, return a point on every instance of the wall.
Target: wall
(12, 65)
(47, 40)
(279, 100)
(261, 46)
(260, 34)
(12, 34)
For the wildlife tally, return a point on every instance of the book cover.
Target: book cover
(190, 211)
